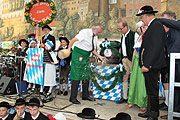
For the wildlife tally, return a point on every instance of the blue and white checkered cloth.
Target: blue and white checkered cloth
(115, 94)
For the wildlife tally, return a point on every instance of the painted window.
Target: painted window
(112, 1)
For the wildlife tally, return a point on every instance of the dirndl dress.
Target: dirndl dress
(137, 90)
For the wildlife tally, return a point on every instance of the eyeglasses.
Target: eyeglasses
(121, 28)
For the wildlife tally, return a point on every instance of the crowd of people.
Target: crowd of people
(158, 38)
(26, 111)
(144, 53)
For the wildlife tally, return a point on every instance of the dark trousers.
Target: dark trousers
(21, 69)
(152, 88)
(74, 89)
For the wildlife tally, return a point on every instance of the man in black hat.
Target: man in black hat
(48, 43)
(34, 106)
(20, 107)
(88, 114)
(4, 109)
(152, 59)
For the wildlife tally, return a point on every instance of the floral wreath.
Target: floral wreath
(44, 22)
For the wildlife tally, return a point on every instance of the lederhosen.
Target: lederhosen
(64, 68)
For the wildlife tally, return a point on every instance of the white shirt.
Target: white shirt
(85, 40)
(123, 42)
(150, 21)
(138, 44)
(35, 116)
(23, 115)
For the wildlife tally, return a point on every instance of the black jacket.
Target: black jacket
(51, 38)
(173, 37)
(26, 117)
(41, 117)
(152, 53)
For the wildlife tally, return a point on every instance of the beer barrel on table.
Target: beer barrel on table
(112, 57)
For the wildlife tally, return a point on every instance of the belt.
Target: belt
(124, 56)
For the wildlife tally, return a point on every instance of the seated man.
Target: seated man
(20, 107)
(4, 109)
(34, 106)
(88, 114)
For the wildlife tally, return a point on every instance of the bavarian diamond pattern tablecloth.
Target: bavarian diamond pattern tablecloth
(116, 93)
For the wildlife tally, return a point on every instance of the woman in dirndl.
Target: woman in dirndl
(137, 90)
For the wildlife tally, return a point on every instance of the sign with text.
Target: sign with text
(35, 65)
(40, 11)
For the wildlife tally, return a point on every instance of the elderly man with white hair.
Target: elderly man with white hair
(84, 43)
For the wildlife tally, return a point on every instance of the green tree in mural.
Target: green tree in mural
(60, 29)
(61, 17)
(61, 12)
(135, 19)
(89, 19)
(21, 4)
(1, 23)
(76, 17)
(0, 36)
(178, 14)
(114, 13)
(18, 4)
(9, 31)
(112, 24)
(103, 21)
(69, 33)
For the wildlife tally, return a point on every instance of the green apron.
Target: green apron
(80, 69)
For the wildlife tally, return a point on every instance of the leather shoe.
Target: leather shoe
(89, 98)
(163, 106)
(122, 100)
(74, 101)
(143, 115)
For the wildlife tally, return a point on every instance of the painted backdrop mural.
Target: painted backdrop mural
(72, 16)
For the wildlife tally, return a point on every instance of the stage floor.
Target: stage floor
(105, 108)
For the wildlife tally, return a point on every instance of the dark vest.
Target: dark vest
(129, 42)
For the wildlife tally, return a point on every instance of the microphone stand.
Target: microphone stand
(20, 78)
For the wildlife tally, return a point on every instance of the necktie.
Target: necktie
(92, 42)
(45, 38)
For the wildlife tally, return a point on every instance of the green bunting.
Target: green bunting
(117, 73)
